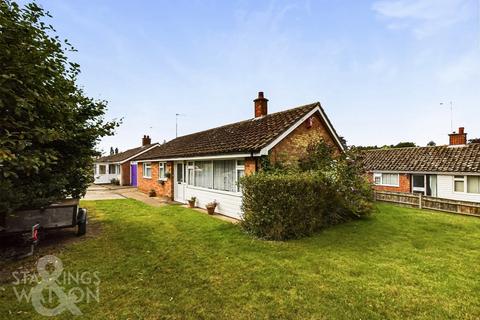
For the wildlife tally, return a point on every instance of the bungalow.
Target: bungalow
(450, 172)
(119, 165)
(207, 165)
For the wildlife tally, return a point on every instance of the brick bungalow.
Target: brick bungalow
(119, 166)
(208, 164)
(450, 172)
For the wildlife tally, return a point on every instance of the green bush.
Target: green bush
(294, 202)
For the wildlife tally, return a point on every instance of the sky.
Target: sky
(380, 68)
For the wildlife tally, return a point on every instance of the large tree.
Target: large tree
(48, 126)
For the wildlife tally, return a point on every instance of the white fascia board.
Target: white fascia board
(265, 150)
(136, 155)
(224, 156)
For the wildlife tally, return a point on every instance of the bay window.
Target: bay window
(147, 170)
(220, 175)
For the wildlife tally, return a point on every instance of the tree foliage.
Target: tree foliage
(48, 126)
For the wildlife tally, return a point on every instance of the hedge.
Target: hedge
(280, 206)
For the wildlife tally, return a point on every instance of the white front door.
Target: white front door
(179, 184)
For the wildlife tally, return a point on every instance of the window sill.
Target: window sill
(146, 177)
(388, 185)
(230, 193)
(163, 179)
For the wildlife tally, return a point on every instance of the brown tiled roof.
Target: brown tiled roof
(425, 159)
(240, 137)
(122, 156)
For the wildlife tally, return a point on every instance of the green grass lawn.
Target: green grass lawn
(172, 262)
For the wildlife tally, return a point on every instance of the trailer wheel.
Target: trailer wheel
(82, 222)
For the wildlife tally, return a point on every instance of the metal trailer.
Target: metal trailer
(62, 214)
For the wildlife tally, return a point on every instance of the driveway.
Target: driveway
(97, 192)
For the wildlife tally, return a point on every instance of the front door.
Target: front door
(133, 175)
(179, 185)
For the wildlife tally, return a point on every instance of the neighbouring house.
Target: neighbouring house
(450, 172)
(120, 166)
(207, 165)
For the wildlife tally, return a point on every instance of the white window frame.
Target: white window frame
(239, 167)
(459, 178)
(144, 169)
(380, 175)
(191, 184)
(162, 177)
(466, 180)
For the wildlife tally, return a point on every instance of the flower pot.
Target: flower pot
(191, 203)
(211, 210)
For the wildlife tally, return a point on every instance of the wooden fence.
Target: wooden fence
(431, 203)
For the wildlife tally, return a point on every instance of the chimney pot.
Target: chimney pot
(146, 140)
(260, 105)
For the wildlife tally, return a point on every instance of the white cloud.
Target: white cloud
(425, 17)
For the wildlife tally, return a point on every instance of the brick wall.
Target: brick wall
(125, 177)
(293, 146)
(147, 184)
(404, 182)
(250, 165)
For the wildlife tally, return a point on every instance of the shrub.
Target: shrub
(321, 190)
(115, 181)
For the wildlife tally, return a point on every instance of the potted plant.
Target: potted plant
(211, 207)
(152, 193)
(191, 202)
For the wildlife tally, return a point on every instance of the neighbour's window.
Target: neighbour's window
(95, 169)
(147, 170)
(387, 179)
(459, 183)
(473, 184)
(113, 169)
(161, 171)
(102, 169)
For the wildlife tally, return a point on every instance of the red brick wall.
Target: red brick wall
(125, 177)
(404, 180)
(250, 166)
(293, 146)
(147, 184)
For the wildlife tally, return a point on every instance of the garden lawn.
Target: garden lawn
(173, 262)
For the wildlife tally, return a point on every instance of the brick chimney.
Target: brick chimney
(458, 138)
(260, 105)
(146, 140)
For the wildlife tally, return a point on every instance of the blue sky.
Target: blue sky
(379, 68)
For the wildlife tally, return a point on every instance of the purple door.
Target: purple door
(133, 171)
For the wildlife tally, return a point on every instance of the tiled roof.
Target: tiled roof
(122, 156)
(240, 137)
(464, 158)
